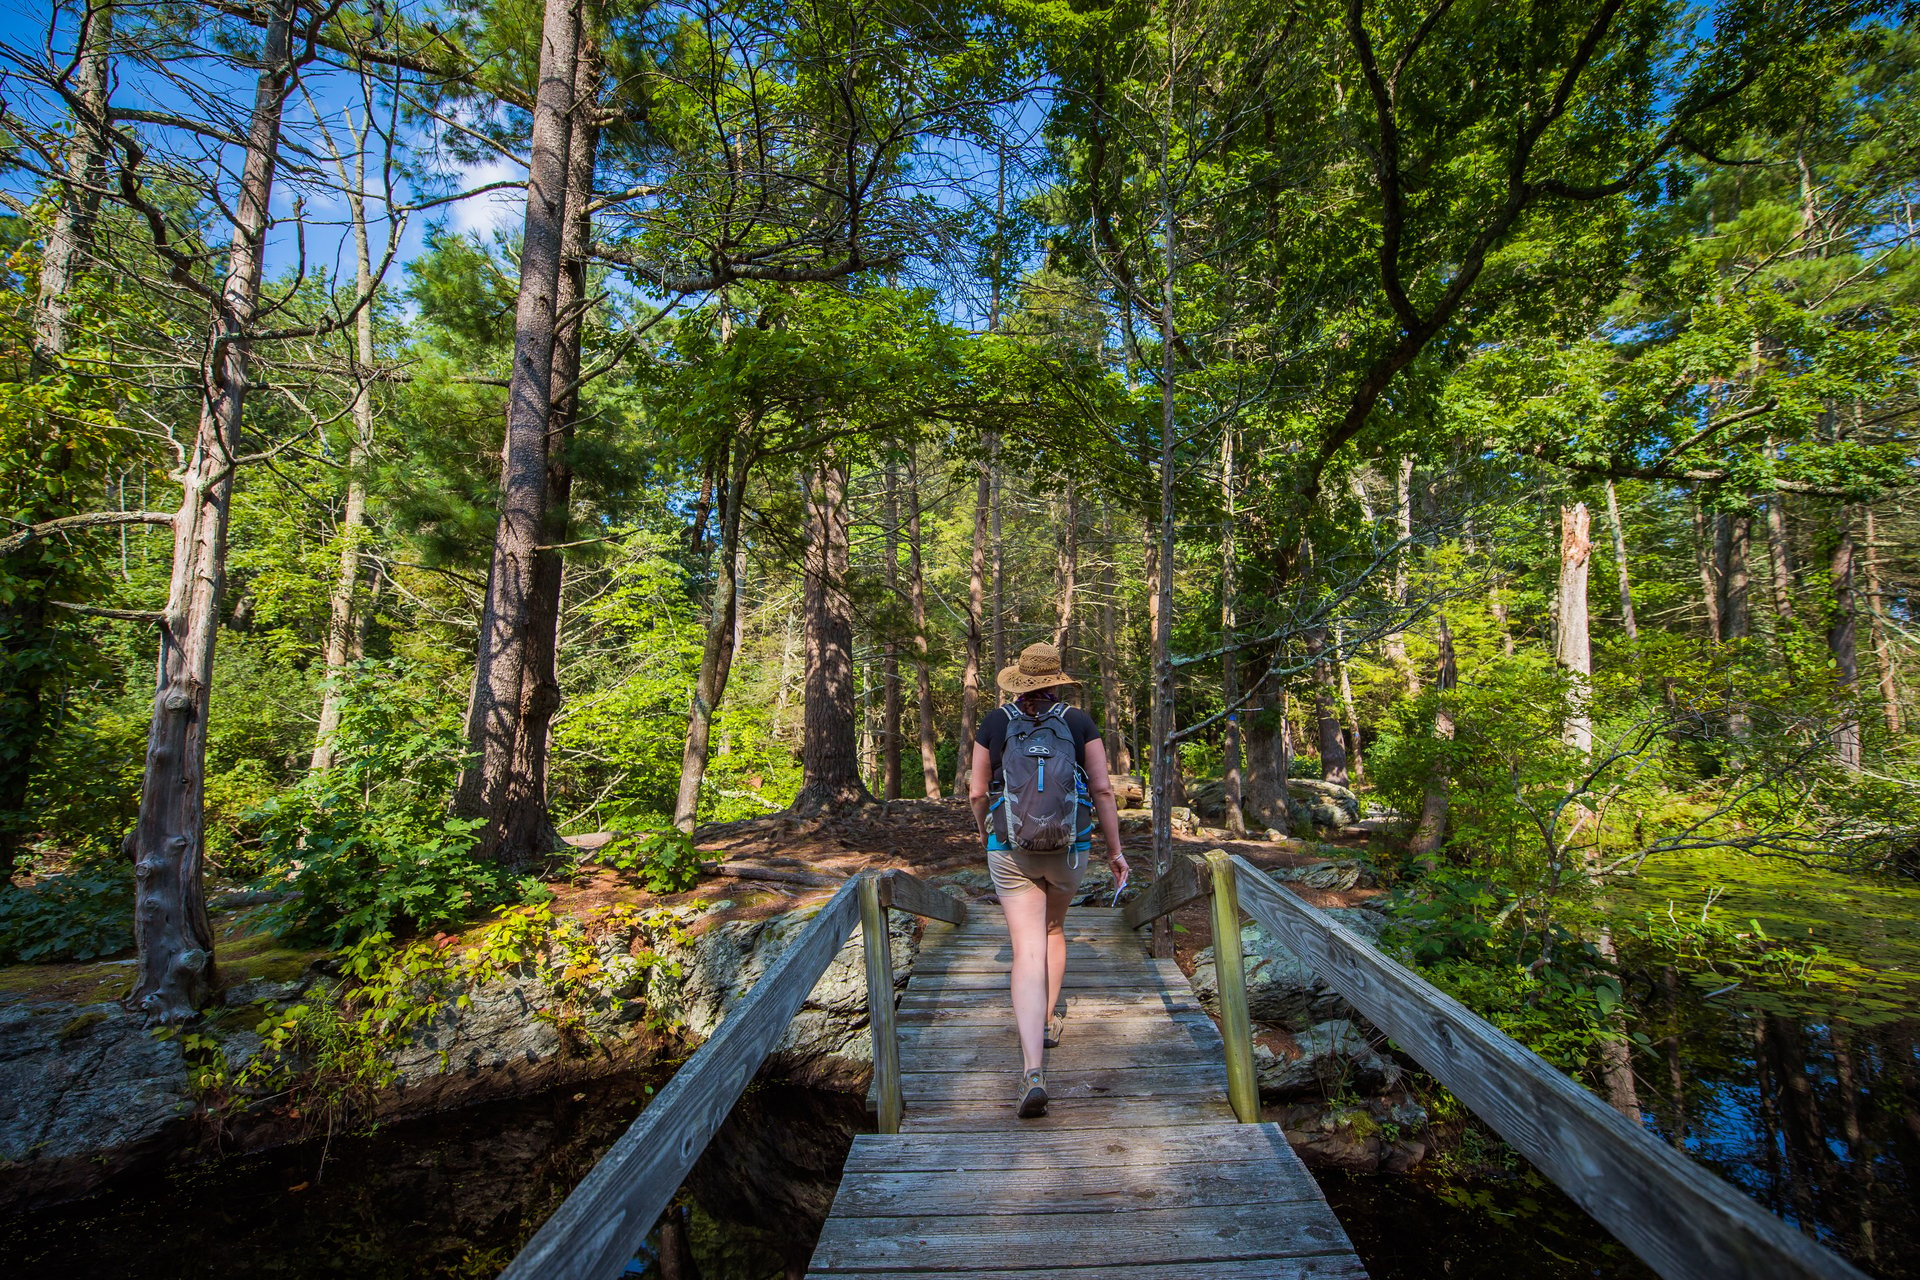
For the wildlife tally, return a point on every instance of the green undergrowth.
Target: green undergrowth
(326, 1060)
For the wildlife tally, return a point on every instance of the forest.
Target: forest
(432, 429)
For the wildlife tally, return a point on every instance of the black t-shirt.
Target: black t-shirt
(993, 736)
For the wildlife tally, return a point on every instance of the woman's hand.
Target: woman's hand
(1117, 863)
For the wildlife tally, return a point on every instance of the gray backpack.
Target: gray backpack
(1039, 776)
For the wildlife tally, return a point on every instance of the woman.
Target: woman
(1036, 888)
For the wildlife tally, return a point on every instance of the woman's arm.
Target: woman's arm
(1100, 787)
(979, 778)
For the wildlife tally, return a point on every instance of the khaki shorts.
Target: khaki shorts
(1016, 870)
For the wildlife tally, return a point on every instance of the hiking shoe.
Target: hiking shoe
(1033, 1096)
(1055, 1027)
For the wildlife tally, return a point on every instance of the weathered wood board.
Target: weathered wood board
(1138, 1170)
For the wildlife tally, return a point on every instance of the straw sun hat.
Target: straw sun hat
(1038, 668)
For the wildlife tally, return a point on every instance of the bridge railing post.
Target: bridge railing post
(877, 945)
(1236, 1024)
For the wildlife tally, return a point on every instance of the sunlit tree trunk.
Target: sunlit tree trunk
(1843, 644)
(829, 753)
(999, 560)
(1877, 629)
(1704, 548)
(1067, 571)
(174, 972)
(1166, 752)
(890, 749)
(1112, 705)
(1573, 649)
(1431, 832)
(342, 624)
(976, 609)
(1356, 763)
(1779, 558)
(499, 788)
(1396, 644)
(1627, 623)
(1230, 762)
(1333, 750)
(922, 668)
(717, 650)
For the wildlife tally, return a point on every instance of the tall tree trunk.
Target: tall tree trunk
(1573, 649)
(343, 629)
(976, 630)
(922, 668)
(829, 753)
(1396, 644)
(1842, 643)
(1704, 556)
(890, 749)
(1356, 764)
(1166, 752)
(717, 650)
(1627, 622)
(498, 788)
(540, 688)
(1876, 628)
(25, 635)
(999, 562)
(1113, 712)
(1736, 616)
(1779, 558)
(1230, 756)
(1431, 832)
(1333, 750)
(174, 972)
(1067, 570)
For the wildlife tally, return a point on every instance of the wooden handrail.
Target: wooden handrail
(1230, 974)
(909, 893)
(1679, 1219)
(1185, 880)
(604, 1222)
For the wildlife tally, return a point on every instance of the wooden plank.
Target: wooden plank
(1069, 1148)
(1115, 1188)
(607, 1218)
(1322, 1267)
(1075, 1054)
(908, 892)
(1681, 1220)
(973, 1115)
(1186, 879)
(1120, 979)
(1124, 1081)
(876, 946)
(1090, 1239)
(992, 1006)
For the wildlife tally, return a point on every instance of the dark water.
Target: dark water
(453, 1195)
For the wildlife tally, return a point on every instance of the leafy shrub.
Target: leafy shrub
(665, 860)
(80, 914)
(366, 845)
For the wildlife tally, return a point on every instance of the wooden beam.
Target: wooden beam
(1187, 879)
(880, 1019)
(1236, 1024)
(603, 1223)
(1678, 1218)
(911, 894)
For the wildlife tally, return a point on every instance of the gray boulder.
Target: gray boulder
(1328, 804)
(86, 1092)
(1281, 989)
(1332, 875)
(1333, 1057)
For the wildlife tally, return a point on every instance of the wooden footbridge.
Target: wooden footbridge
(1151, 1162)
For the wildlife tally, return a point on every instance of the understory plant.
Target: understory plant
(366, 846)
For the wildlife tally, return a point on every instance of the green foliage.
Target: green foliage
(366, 847)
(665, 860)
(80, 913)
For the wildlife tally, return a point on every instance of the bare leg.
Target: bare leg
(1026, 913)
(1057, 904)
